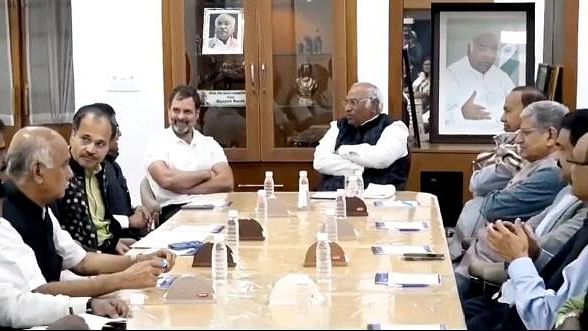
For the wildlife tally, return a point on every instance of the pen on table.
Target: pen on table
(411, 285)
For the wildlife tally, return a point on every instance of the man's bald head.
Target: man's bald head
(38, 161)
(579, 168)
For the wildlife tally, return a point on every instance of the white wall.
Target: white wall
(118, 59)
(372, 44)
(582, 95)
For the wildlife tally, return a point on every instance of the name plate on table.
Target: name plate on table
(190, 288)
(250, 230)
(355, 207)
(338, 258)
(204, 256)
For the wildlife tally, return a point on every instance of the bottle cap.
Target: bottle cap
(303, 173)
(322, 236)
(233, 213)
(219, 237)
(353, 178)
(269, 174)
(137, 299)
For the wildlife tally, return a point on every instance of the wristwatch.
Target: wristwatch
(89, 309)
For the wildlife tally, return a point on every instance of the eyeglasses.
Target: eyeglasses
(577, 163)
(354, 102)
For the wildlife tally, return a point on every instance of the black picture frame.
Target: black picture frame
(480, 16)
(542, 79)
(411, 103)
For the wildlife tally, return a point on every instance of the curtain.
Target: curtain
(50, 61)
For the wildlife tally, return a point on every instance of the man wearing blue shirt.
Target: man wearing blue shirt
(531, 299)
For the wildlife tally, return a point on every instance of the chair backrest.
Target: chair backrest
(148, 199)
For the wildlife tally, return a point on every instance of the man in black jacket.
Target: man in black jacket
(84, 211)
(135, 221)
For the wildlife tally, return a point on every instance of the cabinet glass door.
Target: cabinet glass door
(6, 84)
(221, 64)
(301, 95)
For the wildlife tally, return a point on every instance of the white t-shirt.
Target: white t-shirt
(18, 262)
(460, 81)
(201, 154)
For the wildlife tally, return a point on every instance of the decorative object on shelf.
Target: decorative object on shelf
(481, 51)
(554, 86)
(306, 84)
(223, 31)
(310, 45)
(542, 79)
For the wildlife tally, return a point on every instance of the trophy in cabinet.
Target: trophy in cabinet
(306, 85)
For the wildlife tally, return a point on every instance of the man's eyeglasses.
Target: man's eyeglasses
(577, 163)
(354, 102)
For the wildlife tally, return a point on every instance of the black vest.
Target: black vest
(369, 133)
(117, 194)
(34, 226)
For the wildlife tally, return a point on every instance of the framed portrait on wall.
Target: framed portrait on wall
(481, 51)
(542, 78)
(223, 31)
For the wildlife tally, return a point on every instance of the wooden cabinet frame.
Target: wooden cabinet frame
(259, 72)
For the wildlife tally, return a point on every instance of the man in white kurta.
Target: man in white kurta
(473, 90)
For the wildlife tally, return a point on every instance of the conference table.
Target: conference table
(351, 298)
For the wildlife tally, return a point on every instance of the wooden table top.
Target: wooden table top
(352, 298)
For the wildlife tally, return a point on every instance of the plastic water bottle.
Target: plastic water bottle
(352, 188)
(220, 267)
(340, 207)
(303, 190)
(233, 233)
(268, 184)
(324, 268)
(360, 183)
(261, 206)
(331, 227)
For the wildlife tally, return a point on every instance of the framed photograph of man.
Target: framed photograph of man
(481, 51)
(223, 31)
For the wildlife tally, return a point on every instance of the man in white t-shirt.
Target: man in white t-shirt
(181, 162)
(474, 90)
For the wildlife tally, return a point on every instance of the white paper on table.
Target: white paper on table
(377, 191)
(400, 249)
(402, 225)
(96, 322)
(396, 203)
(397, 278)
(326, 195)
(379, 326)
(162, 238)
(200, 200)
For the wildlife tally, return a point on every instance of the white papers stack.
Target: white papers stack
(328, 195)
(396, 203)
(377, 191)
(396, 279)
(204, 201)
(400, 250)
(96, 322)
(408, 226)
(162, 238)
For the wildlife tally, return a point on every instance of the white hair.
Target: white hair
(21, 159)
(373, 93)
(545, 114)
(231, 17)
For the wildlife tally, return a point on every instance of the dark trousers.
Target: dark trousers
(483, 313)
(168, 211)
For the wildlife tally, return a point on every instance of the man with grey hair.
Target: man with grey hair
(532, 189)
(33, 247)
(364, 141)
(224, 29)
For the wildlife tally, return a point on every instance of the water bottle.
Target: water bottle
(233, 233)
(340, 207)
(268, 184)
(331, 227)
(220, 267)
(303, 190)
(323, 257)
(261, 207)
(352, 188)
(359, 176)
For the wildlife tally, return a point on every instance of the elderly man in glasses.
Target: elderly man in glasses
(364, 141)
